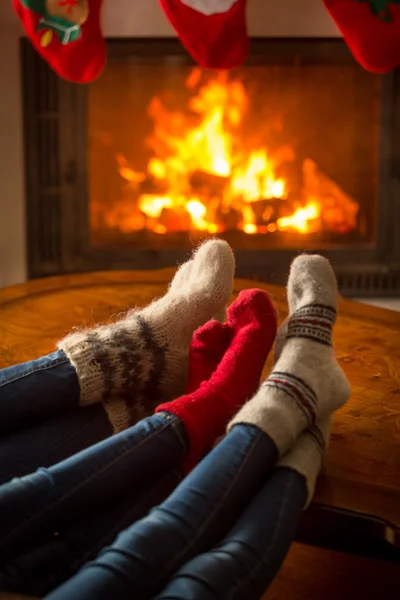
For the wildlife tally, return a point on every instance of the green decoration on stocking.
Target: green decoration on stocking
(380, 8)
(66, 31)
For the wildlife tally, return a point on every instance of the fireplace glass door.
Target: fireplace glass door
(295, 151)
(267, 156)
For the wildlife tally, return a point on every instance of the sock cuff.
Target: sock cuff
(275, 415)
(314, 322)
(118, 361)
(80, 349)
(203, 418)
(307, 455)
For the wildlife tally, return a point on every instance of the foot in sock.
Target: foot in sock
(308, 453)
(141, 360)
(252, 324)
(306, 383)
(208, 346)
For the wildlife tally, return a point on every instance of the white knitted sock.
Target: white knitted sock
(306, 384)
(136, 363)
(308, 454)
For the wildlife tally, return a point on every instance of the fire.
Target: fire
(204, 175)
(300, 220)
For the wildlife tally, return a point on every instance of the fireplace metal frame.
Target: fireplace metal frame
(56, 176)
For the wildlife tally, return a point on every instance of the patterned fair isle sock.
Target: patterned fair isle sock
(308, 453)
(252, 324)
(136, 363)
(306, 384)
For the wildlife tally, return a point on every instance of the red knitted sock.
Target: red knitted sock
(213, 31)
(371, 29)
(207, 348)
(252, 322)
(67, 34)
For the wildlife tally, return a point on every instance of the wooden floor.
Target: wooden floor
(316, 574)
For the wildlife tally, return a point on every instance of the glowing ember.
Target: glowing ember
(300, 220)
(202, 174)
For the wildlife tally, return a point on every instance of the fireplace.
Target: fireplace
(292, 152)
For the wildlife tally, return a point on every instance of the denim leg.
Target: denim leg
(33, 506)
(51, 441)
(199, 513)
(39, 571)
(244, 564)
(36, 389)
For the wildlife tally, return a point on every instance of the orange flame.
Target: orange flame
(204, 179)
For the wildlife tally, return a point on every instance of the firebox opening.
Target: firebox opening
(278, 156)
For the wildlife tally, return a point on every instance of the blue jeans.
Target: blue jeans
(41, 422)
(220, 505)
(245, 562)
(55, 520)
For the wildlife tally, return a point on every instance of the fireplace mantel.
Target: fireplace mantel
(291, 18)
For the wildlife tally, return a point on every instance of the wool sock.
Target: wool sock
(141, 360)
(252, 324)
(307, 455)
(208, 346)
(67, 34)
(306, 383)
(213, 31)
(371, 29)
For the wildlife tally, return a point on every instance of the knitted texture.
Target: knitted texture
(371, 29)
(308, 454)
(208, 346)
(252, 324)
(306, 384)
(213, 31)
(136, 363)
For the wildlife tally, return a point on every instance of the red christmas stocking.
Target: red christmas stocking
(213, 31)
(67, 34)
(371, 29)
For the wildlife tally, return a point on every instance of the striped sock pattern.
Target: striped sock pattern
(316, 436)
(297, 389)
(307, 455)
(307, 384)
(313, 322)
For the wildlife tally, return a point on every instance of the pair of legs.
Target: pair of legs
(230, 516)
(41, 420)
(226, 528)
(106, 379)
(214, 515)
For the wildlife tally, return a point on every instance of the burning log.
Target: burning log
(229, 218)
(154, 186)
(338, 210)
(208, 183)
(267, 210)
(175, 219)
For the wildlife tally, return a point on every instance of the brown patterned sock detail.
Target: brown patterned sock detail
(133, 365)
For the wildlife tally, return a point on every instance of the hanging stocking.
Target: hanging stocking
(371, 29)
(213, 31)
(67, 34)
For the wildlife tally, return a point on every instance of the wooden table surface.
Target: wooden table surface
(362, 473)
